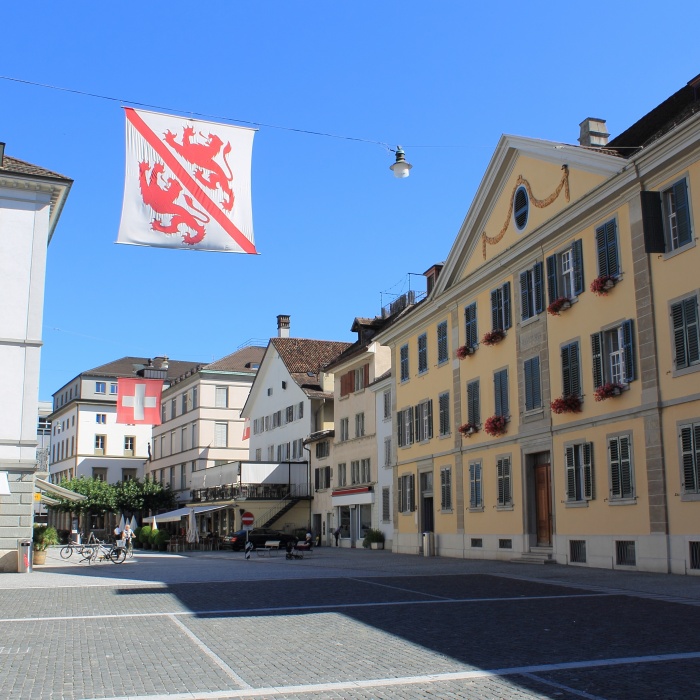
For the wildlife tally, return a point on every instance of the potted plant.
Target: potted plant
(468, 429)
(496, 425)
(567, 404)
(559, 305)
(43, 537)
(603, 284)
(464, 351)
(493, 337)
(145, 536)
(607, 391)
(374, 539)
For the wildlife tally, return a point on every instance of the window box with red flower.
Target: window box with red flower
(607, 391)
(603, 284)
(465, 350)
(559, 305)
(567, 404)
(496, 425)
(493, 337)
(468, 429)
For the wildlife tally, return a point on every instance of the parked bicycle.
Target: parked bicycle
(67, 550)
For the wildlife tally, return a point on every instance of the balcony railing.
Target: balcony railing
(250, 492)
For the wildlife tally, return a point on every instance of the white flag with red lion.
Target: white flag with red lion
(187, 184)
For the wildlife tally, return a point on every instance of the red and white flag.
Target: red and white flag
(187, 184)
(246, 429)
(138, 401)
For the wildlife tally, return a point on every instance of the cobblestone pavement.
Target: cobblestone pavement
(345, 624)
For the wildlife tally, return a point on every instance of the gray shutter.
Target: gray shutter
(625, 467)
(401, 494)
(690, 312)
(470, 325)
(606, 245)
(628, 346)
(614, 452)
(429, 408)
(552, 278)
(569, 461)
(652, 222)
(472, 486)
(539, 287)
(598, 371)
(577, 255)
(495, 309)
(473, 402)
(506, 306)
(680, 195)
(679, 343)
(501, 482)
(690, 456)
(412, 487)
(525, 310)
(588, 477)
(533, 397)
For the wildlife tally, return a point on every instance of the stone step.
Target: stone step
(535, 556)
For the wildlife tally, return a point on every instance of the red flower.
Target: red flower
(566, 404)
(559, 305)
(468, 429)
(607, 391)
(464, 351)
(493, 337)
(603, 284)
(496, 425)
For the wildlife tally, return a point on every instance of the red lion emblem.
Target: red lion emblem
(202, 155)
(162, 201)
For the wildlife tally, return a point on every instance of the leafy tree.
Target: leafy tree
(100, 497)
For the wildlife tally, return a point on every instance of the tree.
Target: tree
(100, 497)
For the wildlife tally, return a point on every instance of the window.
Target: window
(443, 352)
(194, 397)
(258, 454)
(423, 414)
(221, 399)
(162, 413)
(365, 471)
(183, 439)
(44, 426)
(359, 424)
(101, 418)
(173, 408)
(322, 449)
(613, 355)
(500, 384)
(277, 419)
(112, 389)
(570, 370)
(300, 410)
(387, 404)
(476, 493)
(355, 471)
(607, 249)
(690, 457)
(183, 399)
(100, 444)
(404, 363)
(579, 472)
(686, 334)
(406, 485)
(387, 451)
(676, 213)
(100, 387)
(342, 475)
(344, 429)
(270, 453)
(505, 497)
(220, 434)
(361, 377)
(422, 353)
(473, 403)
(621, 477)
(322, 478)
(446, 488)
(521, 208)
(500, 308)
(289, 414)
(470, 326)
(298, 448)
(533, 390)
(444, 404)
(404, 423)
(283, 451)
(129, 474)
(531, 292)
(194, 436)
(565, 273)
(129, 446)
(99, 473)
(386, 504)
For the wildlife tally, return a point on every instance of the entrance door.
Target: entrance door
(543, 500)
(427, 515)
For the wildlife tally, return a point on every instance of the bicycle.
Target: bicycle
(116, 553)
(66, 551)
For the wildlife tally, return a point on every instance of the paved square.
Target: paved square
(345, 624)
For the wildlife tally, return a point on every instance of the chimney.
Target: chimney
(2, 153)
(593, 132)
(283, 326)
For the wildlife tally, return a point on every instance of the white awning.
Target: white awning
(4, 485)
(59, 490)
(175, 516)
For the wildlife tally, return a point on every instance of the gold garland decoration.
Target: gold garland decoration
(539, 203)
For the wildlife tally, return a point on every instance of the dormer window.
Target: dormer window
(521, 208)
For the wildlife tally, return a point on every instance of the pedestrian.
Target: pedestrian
(128, 533)
(117, 532)
(336, 534)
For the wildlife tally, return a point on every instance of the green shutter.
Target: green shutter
(472, 486)
(506, 306)
(614, 452)
(577, 259)
(626, 467)
(690, 457)
(680, 195)
(628, 346)
(652, 222)
(569, 461)
(539, 288)
(597, 348)
(525, 310)
(495, 310)
(588, 476)
(552, 278)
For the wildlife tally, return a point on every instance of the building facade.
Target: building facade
(558, 350)
(31, 201)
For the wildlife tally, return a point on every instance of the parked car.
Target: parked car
(258, 536)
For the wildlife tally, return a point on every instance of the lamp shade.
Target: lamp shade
(400, 168)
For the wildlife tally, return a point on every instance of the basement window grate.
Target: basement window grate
(577, 551)
(505, 544)
(625, 553)
(477, 542)
(694, 555)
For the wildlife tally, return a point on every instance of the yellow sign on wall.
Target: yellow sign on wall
(37, 496)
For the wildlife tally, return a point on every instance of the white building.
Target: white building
(31, 200)
(383, 515)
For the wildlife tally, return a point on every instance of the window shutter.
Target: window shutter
(570, 473)
(652, 222)
(690, 457)
(680, 194)
(497, 380)
(606, 244)
(470, 325)
(503, 469)
(597, 347)
(552, 285)
(577, 255)
(628, 342)
(525, 311)
(409, 425)
(429, 408)
(570, 370)
(677, 316)
(366, 368)
(588, 481)
(442, 342)
(417, 432)
(566, 369)
(539, 288)
(506, 306)
(625, 467)
(473, 403)
(400, 436)
(472, 486)
(317, 479)
(614, 450)
(533, 398)
(690, 309)
(495, 316)
(412, 484)
(402, 504)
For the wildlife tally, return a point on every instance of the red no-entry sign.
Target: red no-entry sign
(247, 518)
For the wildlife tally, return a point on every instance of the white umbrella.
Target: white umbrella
(133, 523)
(121, 523)
(192, 532)
(154, 524)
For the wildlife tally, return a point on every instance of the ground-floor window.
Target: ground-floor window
(355, 520)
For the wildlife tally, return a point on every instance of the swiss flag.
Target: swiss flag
(138, 401)
(246, 429)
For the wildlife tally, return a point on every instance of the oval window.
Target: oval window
(521, 208)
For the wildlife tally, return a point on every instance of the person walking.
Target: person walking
(336, 534)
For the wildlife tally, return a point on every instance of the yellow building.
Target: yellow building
(547, 398)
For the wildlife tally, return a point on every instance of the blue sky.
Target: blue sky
(337, 234)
